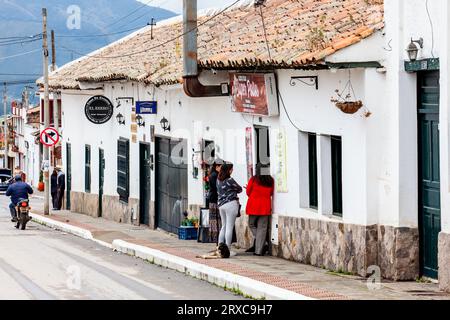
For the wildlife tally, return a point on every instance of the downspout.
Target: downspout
(191, 84)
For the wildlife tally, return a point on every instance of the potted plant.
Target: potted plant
(41, 185)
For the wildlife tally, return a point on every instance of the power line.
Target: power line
(270, 57)
(19, 54)
(18, 82)
(129, 14)
(13, 42)
(20, 74)
(156, 46)
(99, 35)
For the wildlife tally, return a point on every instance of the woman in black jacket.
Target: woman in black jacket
(214, 217)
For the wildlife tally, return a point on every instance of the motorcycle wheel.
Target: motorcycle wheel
(23, 222)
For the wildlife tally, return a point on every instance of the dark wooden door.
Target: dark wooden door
(144, 184)
(429, 172)
(69, 174)
(101, 180)
(171, 183)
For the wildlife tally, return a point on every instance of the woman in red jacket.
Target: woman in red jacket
(259, 207)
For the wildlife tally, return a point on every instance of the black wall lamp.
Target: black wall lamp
(120, 118)
(165, 125)
(140, 121)
(412, 49)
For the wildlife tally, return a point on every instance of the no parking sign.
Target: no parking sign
(49, 137)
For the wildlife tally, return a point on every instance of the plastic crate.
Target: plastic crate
(187, 233)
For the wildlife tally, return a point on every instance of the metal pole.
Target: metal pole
(46, 163)
(5, 126)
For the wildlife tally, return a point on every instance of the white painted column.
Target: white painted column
(444, 115)
(324, 177)
(303, 164)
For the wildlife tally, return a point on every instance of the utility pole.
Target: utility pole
(5, 126)
(55, 95)
(53, 51)
(46, 162)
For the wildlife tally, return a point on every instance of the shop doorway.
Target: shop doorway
(429, 172)
(171, 172)
(101, 180)
(262, 148)
(144, 183)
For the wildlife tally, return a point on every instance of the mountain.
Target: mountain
(19, 18)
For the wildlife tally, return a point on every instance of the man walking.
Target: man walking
(61, 187)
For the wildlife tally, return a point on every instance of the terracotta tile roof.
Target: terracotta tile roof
(299, 32)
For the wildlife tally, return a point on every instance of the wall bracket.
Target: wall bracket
(313, 81)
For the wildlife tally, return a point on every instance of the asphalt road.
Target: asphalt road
(43, 264)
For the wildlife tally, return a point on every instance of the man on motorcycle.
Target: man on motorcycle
(17, 191)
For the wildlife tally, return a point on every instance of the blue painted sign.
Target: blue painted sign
(146, 107)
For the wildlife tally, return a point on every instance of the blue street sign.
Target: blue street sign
(146, 107)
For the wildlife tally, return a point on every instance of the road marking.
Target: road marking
(27, 284)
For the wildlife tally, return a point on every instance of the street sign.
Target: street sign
(49, 137)
(146, 107)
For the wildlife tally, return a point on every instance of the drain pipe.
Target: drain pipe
(191, 84)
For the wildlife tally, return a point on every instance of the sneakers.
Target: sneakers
(14, 219)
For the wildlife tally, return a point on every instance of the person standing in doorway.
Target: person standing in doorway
(54, 188)
(214, 217)
(228, 202)
(260, 191)
(61, 187)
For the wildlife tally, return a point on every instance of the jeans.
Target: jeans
(12, 210)
(228, 214)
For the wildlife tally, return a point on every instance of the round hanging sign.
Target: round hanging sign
(99, 109)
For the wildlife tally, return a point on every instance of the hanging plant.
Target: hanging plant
(346, 99)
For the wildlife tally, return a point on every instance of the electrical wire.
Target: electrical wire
(99, 35)
(19, 54)
(270, 56)
(130, 14)
(432, 28)
(156, 46)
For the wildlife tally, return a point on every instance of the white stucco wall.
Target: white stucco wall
(311, 111)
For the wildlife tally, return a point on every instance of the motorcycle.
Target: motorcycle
(23, 213)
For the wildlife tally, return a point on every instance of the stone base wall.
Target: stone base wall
(118, 211)
(398, 253)
(85, 203)
(330, 245)
(444, 261)
(349, 248)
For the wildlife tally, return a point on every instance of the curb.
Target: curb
(60, 226)
(246, 286)
(243, 285)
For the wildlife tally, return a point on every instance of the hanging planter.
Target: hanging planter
(349, 107)
(346, 99)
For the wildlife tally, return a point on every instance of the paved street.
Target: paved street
(40, 263)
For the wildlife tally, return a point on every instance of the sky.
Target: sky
(176, 5)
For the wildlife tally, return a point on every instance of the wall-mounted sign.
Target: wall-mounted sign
(249, 152)
(99, 109)
(281, 161)
(254, 93)
(146, 107)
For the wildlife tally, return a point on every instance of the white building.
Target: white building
(347, 193)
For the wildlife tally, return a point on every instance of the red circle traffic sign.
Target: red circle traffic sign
(49, 137)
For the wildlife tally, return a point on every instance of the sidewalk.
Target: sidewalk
(256, 277)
